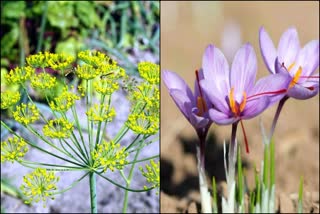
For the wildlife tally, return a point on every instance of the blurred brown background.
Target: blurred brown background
(186, 29)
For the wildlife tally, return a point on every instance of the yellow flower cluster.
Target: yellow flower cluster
(150, 72)
(64, 101)
(43, 81)
(105, 86)
(87, 71)
(39, 60)
(148, 94)
(58, 128)
(95, 58)
(9, 98)
(143, 124)
(60, 61)
(19, 75)
(26, 113)
(109, 155)
(53, 60)
(152, 174)
(14, 149)
(39, 185)
(100, 113)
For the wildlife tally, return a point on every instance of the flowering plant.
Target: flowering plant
(80, 140)
(228, 96)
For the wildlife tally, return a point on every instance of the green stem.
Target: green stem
(93, 192)
(128, 181)
(43, 26)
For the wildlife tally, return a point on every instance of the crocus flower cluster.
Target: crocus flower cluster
(228, 96)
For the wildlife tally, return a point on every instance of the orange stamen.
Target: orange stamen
(233, 105)
(244, 101)
(291, 66)
(245, 137)
(295, 78)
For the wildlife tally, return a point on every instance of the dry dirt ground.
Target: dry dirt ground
(186, 29)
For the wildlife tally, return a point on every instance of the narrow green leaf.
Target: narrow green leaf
(214, 196)
(266, 165)
(300, 205)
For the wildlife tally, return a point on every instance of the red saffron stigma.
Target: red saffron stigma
(310, 77)
(269, 92)
(245, 137)
(197, 76)
(311, 88)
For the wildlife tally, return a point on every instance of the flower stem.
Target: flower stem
(276, 116)
(93, 192)
(205, 195)
(232, 154)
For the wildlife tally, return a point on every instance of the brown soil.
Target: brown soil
(186, 29)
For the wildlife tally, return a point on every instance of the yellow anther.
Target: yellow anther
(291, 66)
(295, 78)
(232, 102)
(244, 101)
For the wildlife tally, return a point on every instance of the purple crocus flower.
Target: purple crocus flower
(233, 93)
(193, 106)
(299, 63)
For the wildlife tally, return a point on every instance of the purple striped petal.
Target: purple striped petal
(174, 81)
(288, 47)
(216, 97)
(182, 101)
(221, 118)
(308, 58)
(243, 71)
(268, 51)
(255, 107)
(272, 86)
(215, 67)
(301, 92)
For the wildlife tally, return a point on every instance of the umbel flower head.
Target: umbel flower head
(60, 61)
(39, 60)
(106, 86)
(100, 113)
(9, 98)
(39, 185)
(152, 174)
(146, 96)
(43, 81)
(87, 71)
(58, 128)
(150, 72)
(19, 75)
(142, 123)
(64, 101)
(109, 155)
(13, 149)
(26, 113)
(299, 64)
